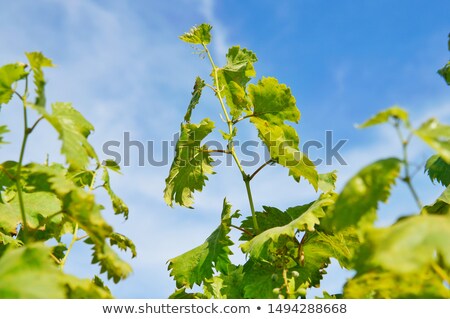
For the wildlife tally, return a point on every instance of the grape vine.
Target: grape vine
(288, 250)
(42, 202)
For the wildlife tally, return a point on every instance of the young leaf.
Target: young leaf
(258, 246)
(196, 94)
(327, 181)
(445, 71)
(273, 104)
(28, 272)
(190, 165)
(198, 264)
(358, 201)
(73, 131)
(233, 78)
(437, 136)
(9, 74)
(198, 34)
(438, 170)
(77, 288)
(37, 62)
(394, 112)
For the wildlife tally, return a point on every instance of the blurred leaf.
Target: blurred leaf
(198, 264)
(394, 112)
(110, 262)
(327, 181)
(190, 165)
(200, 34)
(437, 136)
(3, 130)
(356, 205)
(9, 74)
(124, 243)
(37, 62)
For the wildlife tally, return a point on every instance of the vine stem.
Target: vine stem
(26, 133)
(407, 178)
(245, 177)
(72, 243)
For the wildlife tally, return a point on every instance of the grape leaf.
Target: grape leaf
(28, 272)
(190, 165)
(109, 262)
(77, 288)
(257, 247)
(182, 294)
(9, 74)
(196, 94)
(73, 130)
(233, 78)
(260, 279)
(37, 62)
(232, 287)
(212, 287)
(327, 182)
(123, 242)
(38, 206)
(118, 204)
(438, 170)
(3, 130)
(437, 136)
(394, 112)
(273, 104)
(387, 285)
(408, 246)
(441, 206)
(197, 264)
(445, 70)
(198, 34)
(358, 201)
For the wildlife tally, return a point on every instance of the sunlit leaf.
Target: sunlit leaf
(437, 136)
(119, 206)
(124, 243)
(9, 74)
(190, 166)
(38, 61)
(198, 264)
(394, 112)
(196, 94)
(441, 206)
(200, 34)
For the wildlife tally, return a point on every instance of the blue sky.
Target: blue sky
(123, 67)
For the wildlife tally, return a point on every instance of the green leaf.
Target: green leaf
(124, 243)
(3, 130)
(110, 262)
(273, 104)
(182, 294)
(394, 112)
(441, 206)
(327, 181)
(9, 74)
(408, 246)
(438, 170)
(232, 287)
(233, 78)
(28, 272)
(437, 136)
(388, 285)
(77, 288)
(258, 246)
(37, 62)
(73, 130)
(260, 279)
(38, 206)
(198, 264)
(119, 206)
(112, 165)
(198, 34)
(445, 73)
(358, 201)
(190, 166)
(196, 94)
